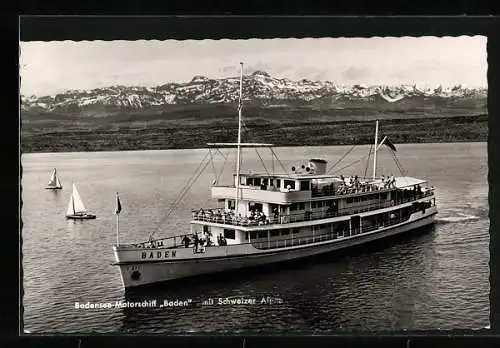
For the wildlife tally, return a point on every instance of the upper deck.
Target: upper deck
(287, 189)
(264, 198)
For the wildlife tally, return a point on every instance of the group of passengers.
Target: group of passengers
(215, 215)
(229, 217)
(354, 185)
(257, 216)
(201, 240)
(389, 182)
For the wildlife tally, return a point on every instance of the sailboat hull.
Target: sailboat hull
(53, 188)
(81, 217)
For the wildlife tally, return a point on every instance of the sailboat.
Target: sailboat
(76, 208)
(54, 183)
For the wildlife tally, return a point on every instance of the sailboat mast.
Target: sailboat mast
(375, 151)
(239, 143)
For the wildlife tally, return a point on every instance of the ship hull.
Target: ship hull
(53, 188)
(135, 274)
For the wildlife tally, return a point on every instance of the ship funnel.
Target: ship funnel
(318, 166)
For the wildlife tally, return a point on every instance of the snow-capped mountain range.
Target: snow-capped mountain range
(258, 87)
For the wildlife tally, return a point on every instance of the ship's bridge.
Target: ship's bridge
(281, 188)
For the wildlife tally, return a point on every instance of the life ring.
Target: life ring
(136, 275)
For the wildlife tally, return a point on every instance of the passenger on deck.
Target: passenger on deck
(186, 241)
(202, 244)
(387, 182)
(263, 217)
(221, 240)
(392, 182)
(196, 242)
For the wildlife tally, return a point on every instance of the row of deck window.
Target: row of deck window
(264, 182)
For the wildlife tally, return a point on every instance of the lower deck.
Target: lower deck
(173, 260)
(270, 237)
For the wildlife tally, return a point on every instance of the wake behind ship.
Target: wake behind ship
(270, 217)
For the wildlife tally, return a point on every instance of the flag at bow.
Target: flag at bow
(118, 205)
(389, 144)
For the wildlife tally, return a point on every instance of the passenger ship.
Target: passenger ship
(264, 218)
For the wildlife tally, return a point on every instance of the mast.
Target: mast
(375, 151)
(239, 144)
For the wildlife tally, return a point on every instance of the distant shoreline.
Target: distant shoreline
(205, 148)
(286, 134)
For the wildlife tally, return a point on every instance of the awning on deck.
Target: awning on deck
(407, 181)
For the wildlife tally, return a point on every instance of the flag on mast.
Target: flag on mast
(118, 205)
(389, 144)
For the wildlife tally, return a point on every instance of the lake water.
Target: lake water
(434, 279)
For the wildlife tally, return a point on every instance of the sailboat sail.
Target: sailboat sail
(53, 179)
(77, 201)
(71, 207)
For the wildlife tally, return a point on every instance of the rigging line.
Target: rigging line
(342, 158)
(181, 193)
(279, 161)
(213, 164)
(223, 165)
(400, 166)
(192, 182)
(251, 138)
(262, 161)
(272, 163)
(219, 151)
(395, 159)
(368, 160)
(184, 189)
(397, 164)
(175, 204)
(347, 166)
(171, 210)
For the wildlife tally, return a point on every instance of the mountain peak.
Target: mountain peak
(261, 73)
(198, 78)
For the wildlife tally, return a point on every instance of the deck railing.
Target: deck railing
(285, 241)
(272, 242)
(322, 237)
(177, 241)
(211, 215)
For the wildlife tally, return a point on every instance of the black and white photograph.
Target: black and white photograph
(257, 186)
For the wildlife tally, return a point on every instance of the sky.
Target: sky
(47, 68)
